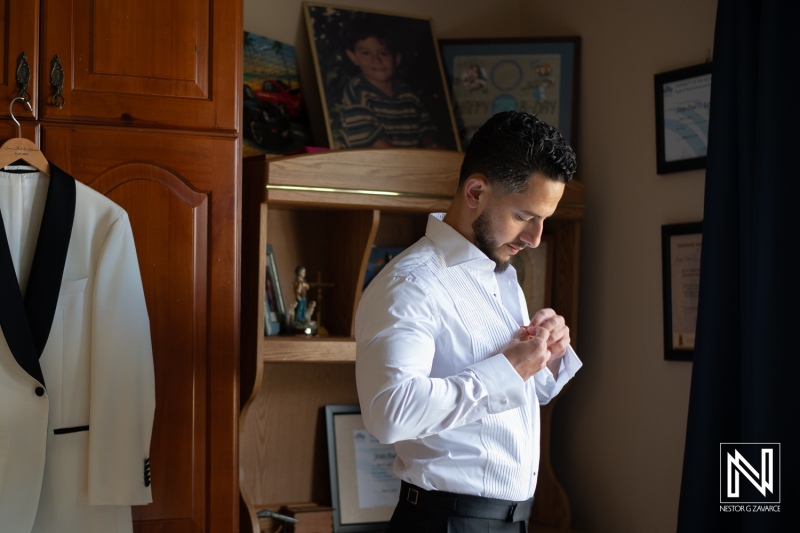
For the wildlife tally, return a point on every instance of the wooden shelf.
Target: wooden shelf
(309, 350)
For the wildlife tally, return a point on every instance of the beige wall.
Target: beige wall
(619, 429)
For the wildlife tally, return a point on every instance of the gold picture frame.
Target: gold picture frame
(356, 112)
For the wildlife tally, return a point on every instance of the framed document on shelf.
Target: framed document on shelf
(683, 101)
(364, 490)
(680, 255)
(274, 311)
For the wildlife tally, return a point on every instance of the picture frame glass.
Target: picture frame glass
(274, 308)
(683, 104)
(487, 76)
(364, 489)
(681, 246)
(380, 79)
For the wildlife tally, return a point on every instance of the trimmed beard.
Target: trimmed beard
(482, 229)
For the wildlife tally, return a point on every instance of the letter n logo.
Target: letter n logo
(750, 472)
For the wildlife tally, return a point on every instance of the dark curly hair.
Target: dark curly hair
(511, 147)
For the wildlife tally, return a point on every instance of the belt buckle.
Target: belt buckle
(415, 493)
(511, 510)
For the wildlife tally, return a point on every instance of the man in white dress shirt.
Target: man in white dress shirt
(449, 366)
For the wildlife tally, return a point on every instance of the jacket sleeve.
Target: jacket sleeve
(122, 382)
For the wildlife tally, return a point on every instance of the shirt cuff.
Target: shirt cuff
(505, 387)
(570, 364)
(547, 386)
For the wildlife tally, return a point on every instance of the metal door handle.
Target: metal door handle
(23, 76)
(57, 81)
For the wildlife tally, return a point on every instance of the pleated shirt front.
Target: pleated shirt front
(431, 376)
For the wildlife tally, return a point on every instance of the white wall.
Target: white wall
(619, 430)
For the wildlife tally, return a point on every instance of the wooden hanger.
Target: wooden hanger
(19, 148)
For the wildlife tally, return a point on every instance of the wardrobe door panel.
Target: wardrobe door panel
(169, 222)
(141, 62)
(181, 195)
(19, 33)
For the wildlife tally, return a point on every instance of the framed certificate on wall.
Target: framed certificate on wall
(680, 255)
(683, 102)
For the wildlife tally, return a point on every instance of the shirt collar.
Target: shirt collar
(457, 250)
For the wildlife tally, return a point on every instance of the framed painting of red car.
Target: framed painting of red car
(279, 93)
(274, 116)
(380, 79)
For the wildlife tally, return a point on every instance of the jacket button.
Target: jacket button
(39, 391)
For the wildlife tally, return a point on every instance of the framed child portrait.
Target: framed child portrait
(380, 79)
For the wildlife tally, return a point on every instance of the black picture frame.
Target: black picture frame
(681, 246)
(683, 102)
(537, 75)
(347, 467)
(274, 308)
(418, 71)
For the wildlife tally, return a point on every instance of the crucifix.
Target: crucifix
(319, 284)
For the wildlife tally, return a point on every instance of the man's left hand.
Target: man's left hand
(559, 340)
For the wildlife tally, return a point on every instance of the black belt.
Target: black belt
(454, 504)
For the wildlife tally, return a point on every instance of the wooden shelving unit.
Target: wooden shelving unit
(326, 211)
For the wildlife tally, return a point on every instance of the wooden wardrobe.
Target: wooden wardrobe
(141, 101)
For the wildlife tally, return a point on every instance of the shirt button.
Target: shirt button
(504, 401)
(39, 391)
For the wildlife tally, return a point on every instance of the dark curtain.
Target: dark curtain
(746, 375)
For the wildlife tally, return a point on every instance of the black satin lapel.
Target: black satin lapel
(13, 319)
(47, 270)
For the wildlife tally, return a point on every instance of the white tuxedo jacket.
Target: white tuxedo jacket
(77, 390)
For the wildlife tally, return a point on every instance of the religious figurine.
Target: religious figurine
(303, 310)
(301, 287)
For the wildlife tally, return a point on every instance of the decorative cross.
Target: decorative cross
(319, 284)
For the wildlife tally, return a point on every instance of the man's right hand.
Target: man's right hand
(527, 351)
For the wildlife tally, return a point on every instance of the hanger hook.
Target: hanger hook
(11, 112)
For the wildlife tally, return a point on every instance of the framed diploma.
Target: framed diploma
(683, 100)
(364, 489)
(680, 258)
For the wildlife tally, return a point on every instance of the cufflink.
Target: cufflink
(147, 472)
